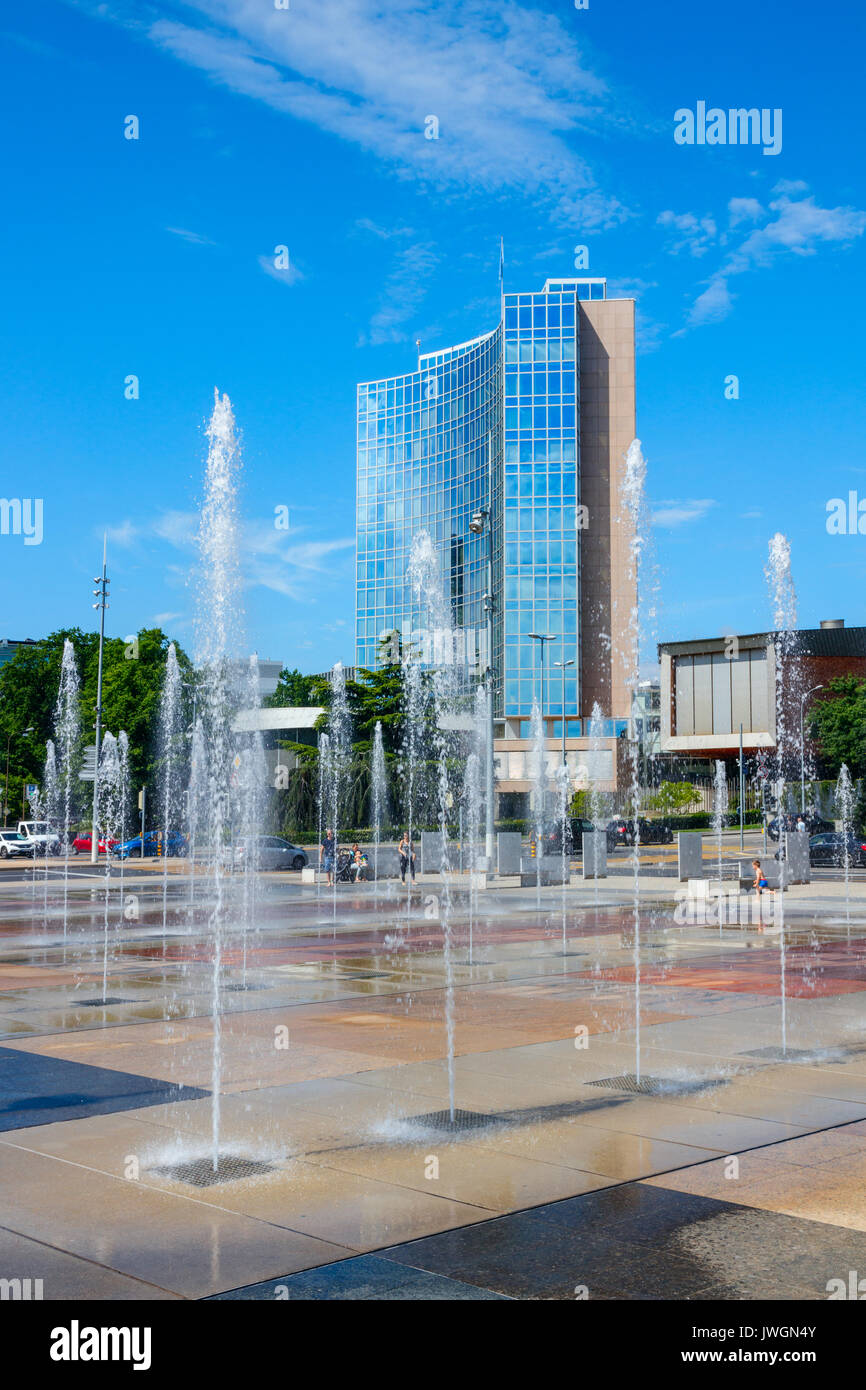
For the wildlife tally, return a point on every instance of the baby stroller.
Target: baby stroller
(344, 866)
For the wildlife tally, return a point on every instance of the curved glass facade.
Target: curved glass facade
(429, 455)
(491, 424)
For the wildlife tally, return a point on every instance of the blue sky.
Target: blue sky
(305, 127)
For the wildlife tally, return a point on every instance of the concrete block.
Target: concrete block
(509, 847)
(797, 857)
(547, 870)
(595, 855)
(690, 849)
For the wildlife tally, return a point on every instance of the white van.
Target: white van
(40, 837)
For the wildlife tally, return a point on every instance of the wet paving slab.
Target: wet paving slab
(334, 1072)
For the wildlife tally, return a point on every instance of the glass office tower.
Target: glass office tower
(491, 424)
(541, 453)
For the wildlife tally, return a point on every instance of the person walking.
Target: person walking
(406, 854)
(760, 886)
(328, 855)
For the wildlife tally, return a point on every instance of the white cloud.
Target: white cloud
(194, 237)
(287, 571)
(271, 557)
(682, 511)
(402, 294)
(123, 535)
(179, 529)
(366, 224)
(508, 84)
(744, 210)
(689, 232)
(797, 227)
(713, 305)
(290, 275)
(791, 186)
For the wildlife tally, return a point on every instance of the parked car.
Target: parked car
(177, 846)
(82, 844)
(13, 845)
(651, 832)
(270, 852)
(815, 825)
(575, 829)
(830, 846)
(41, 837)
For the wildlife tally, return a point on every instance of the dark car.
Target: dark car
(815, 825)
(575, 829)
(650, 832)
(830, 848)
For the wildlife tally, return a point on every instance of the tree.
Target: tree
(293, 689)
(378, 697)
(837, 723)
(673, 797)
(132, 680)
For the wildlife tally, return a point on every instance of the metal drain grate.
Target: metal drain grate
(775, 1054)
(653, 1085)
(241, 989)
(100, 1003)
(463, 1119)
(200, 1171)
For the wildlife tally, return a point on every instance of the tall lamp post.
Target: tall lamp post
(481, 519)
(803, 699)
(543, 637)
(23, 734)
(563, 665)
(100, 593)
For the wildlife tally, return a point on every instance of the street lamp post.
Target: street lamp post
(101, 595)
(562, 665)
(23, 734)
(481, 519)
(191, 817)
(542, 637)
(6, 792)
(803, 699)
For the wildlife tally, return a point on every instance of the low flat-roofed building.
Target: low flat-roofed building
(9, 646)
(712, 685)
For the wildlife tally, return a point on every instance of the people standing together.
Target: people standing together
(357, 865)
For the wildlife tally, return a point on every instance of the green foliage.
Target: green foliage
(673, 797)
(132, 679)
(377, 696)
(293, 689)
(703, 820)
(838, 725)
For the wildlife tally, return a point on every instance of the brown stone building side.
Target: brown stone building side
(607, 428)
